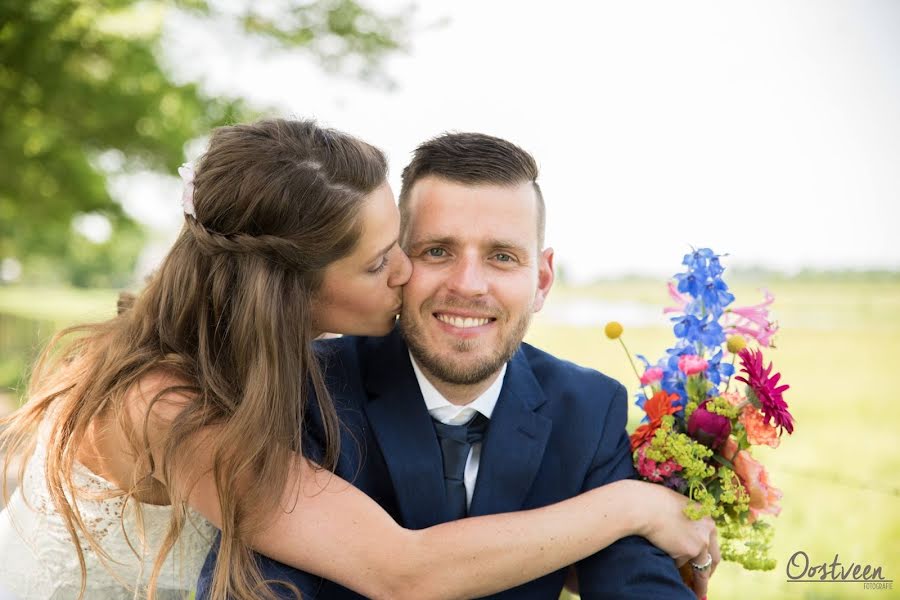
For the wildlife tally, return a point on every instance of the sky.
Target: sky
(767, 130)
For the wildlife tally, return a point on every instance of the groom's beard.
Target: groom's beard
(461, 363)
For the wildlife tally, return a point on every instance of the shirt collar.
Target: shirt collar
(441, 409)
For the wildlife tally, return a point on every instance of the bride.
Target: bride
(185, 412)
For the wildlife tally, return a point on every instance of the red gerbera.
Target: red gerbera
(766, 389)
(659, 405)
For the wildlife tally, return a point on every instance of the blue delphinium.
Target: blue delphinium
(697, 330)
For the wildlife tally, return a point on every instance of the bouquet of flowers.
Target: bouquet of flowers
(700, 428)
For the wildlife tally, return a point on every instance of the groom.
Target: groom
(452, 415)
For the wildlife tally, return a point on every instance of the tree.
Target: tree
(77, 84)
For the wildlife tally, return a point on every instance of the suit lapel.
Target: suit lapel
(402, 426)
(514, 445)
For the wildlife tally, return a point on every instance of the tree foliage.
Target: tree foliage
(80, 81)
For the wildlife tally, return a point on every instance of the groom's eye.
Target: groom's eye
(435, 252)
(503, 257)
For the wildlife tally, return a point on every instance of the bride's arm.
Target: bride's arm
(330, 528)
(338, 532)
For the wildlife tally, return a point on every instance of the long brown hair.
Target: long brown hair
(227, 312)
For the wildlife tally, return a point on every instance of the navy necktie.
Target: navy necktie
(456, 441)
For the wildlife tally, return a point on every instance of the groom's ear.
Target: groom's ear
(545, 278)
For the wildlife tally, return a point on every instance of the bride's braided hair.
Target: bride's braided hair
(273, 248)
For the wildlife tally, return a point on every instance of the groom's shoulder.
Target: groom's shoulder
(351, 353)
(338, 356)
(331, 348)
(561, 375)
(349, 345)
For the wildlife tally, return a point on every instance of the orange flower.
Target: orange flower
(658, 406)
(763, 497)
(644, 433)
(758, 430)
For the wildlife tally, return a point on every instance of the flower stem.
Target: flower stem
(633, 367)
(728, 383)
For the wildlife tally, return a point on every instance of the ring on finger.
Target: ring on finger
(705, 566)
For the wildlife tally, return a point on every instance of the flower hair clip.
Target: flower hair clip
(187, 197)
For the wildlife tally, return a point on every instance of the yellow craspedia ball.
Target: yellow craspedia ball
(736, 343)
(613, 330)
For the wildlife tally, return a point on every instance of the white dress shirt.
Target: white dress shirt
(441, 409)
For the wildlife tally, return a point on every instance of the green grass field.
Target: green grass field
(28, 318)
(839, 349)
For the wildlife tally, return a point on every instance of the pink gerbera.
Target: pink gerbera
(766, 389)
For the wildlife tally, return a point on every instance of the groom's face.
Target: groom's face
(478, 276)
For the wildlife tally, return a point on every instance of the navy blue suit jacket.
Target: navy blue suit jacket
(557, 430)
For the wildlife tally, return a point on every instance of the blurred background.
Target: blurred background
(768, 131)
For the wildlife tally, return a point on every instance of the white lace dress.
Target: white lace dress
(38, 560)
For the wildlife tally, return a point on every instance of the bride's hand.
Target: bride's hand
(698, 578)
(666, 526)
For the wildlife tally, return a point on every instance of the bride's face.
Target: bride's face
(361, 293)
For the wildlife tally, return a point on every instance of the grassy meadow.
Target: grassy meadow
(29, 316)
(838, 348)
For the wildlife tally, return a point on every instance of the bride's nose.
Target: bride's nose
(402, 268)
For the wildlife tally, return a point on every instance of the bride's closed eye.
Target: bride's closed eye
(381, 266)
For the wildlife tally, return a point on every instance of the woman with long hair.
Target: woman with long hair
(186, 410)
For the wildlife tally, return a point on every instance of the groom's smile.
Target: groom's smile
(461, 322)
(478, 276)
(465, 324)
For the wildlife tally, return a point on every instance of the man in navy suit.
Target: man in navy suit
(452, 415)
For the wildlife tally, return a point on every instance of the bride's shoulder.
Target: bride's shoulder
(153, 404)
(158, 395)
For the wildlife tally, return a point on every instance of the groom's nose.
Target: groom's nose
(467, 276)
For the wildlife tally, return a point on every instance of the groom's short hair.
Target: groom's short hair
(471, 159)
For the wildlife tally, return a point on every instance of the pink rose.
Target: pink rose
(651, 375)
(690, 364)
(763, 497)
